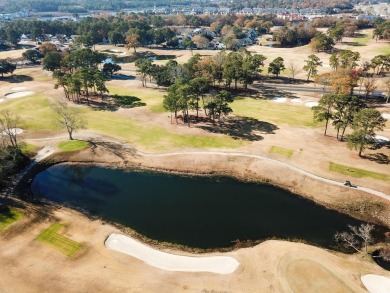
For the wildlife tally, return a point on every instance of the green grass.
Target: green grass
(27, 148)
(277, 113)
(363, 41)
(356, 172)
(72, 145)
(151, 136)
(281, 151)
(385, 51)
(151, 97)
(9, 216)
(36, 114)
(51, 237)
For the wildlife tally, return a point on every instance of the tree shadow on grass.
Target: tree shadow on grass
(127, 101)
(16, 78)
(244, 128)
(379, 158)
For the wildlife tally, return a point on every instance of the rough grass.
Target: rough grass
(363, 41)
(9, 216)
(72, 145)
(51, 237)
(34, 111)
(277, 113)
(27, 148)
(386, 50)
(281, 151)
(357, 173)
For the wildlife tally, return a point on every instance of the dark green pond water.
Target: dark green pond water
(193, 211)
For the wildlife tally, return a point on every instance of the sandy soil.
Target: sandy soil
(19, 95)
(97, 269)
(168, 261)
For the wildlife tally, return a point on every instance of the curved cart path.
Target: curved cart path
(94, 136)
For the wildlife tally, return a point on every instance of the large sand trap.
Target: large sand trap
(2, 100)
(171, 262)
(296, 100)
(13, 130)
(381, 138)
(279, 100)
(19, 94)
(386, 115)
(18, 88)
(376, 283)
(311, 104)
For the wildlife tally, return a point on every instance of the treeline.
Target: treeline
(294, 36)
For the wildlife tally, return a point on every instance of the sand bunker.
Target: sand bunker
(376, 283)
(18, 88)
(12, 130)
(2, 100)
(279, 100)
(19, 94)
(311, 104)
(381, 138)
(171, 262)
(386, 115)
(296, 100)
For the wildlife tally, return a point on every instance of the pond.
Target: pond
(202, 212)
(130, 59)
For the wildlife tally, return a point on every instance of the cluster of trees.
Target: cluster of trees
(294, 36)
(349, 111)
(227, 68)
(382, 31)
(77, 73)
(6, 67)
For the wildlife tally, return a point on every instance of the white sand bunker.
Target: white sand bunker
(2, 100)
(296, 100)
(386, 115)
(279, 100)
(14, 131)
(380, 138)
(171, 262)
(19, 94)
(18, 88)
(376, 283)
(311, 104)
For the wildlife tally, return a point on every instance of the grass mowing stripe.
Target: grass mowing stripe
(8, 217)
(356, 172)
(63, 244)
(281, 151)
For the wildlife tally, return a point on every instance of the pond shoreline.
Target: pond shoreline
(132, 162)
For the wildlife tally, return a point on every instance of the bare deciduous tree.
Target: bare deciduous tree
(68, 117)
(294, 69)
(385, 253)
(8, 128)
(370, 86)
(357, 238)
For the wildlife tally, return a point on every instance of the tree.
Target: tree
(387, 83)
(52, 61)
(6, 67)
(345, 59)
(132, 41)
(294, 69)
(357, 238)
(201, 42)
(364, 124)
(232, 69)
(68, 117)
(199, 86)
(311, 66)
(110, 68)
(345, 109)
(144, 68)
(220, 104)
(336, 32)
(32, 55)
(251, 66)
(323, 112)
(47, 47)
(8, 126)
(321, 42)
(276, 66)
(369, 85)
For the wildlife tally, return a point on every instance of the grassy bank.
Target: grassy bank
(357, 173)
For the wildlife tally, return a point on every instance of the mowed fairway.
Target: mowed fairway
(307, 276)
(277, 113)
(357, 173)
(51, 237)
